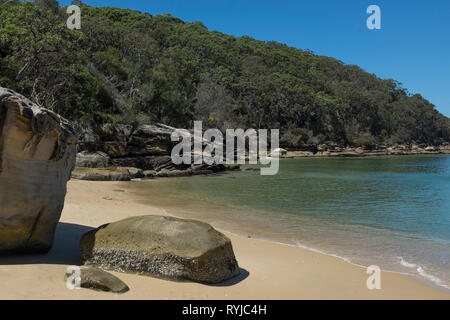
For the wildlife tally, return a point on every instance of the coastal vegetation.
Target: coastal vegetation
(130, 67)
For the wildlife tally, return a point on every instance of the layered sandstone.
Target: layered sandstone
(37, 155)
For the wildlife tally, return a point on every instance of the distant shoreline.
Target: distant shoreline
(333, 151)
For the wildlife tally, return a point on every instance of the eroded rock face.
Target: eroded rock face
(37, 155)
(97, 159)
(118, 140)
(161, 246)
(146, 147)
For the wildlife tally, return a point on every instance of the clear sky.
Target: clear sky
(412, 47)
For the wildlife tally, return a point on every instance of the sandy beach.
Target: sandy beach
(268, 270)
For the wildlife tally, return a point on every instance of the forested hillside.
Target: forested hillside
(132, 67)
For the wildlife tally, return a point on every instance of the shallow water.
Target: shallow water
(391, 211)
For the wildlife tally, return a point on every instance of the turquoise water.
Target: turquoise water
(393, 211)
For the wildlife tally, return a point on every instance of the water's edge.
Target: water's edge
(390, 211)
(426, 279)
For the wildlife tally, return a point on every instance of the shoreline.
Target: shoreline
(427, 282)
(120, 173)
(426, 279)
(208, 212)
(268, 270)
(327, 151)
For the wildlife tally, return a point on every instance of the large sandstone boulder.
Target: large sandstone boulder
(161, 246)
(37, 155)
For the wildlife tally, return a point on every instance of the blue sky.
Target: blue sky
(412, 47)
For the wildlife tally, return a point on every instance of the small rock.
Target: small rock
(279, 152)
(96, 279)
(136, 173)
(150, 173)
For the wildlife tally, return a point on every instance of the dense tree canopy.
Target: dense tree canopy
(129, 66)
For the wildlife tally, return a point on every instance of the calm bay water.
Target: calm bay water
(393, 211)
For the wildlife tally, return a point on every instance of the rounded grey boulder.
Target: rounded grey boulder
(161, 246)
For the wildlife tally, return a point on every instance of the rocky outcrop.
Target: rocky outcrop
(130, 173)
(119, 141)
(37, 155)
(161, 246)
(97, 159)
(148, 163)
(333, 150)
(99, 280)
(279, 152)
(107, 174)
(115, 147)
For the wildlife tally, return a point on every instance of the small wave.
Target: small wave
(405, 263)
(298, 244)
(422, 272)
(419, 270)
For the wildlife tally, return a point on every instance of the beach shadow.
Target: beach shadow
(65, 251)
(244, 274)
